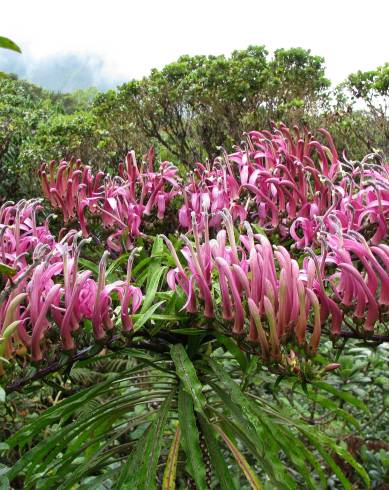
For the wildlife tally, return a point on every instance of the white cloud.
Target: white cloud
(134, 36)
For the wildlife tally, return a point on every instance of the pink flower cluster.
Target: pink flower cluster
(270, 299)
(209, 190)
(20, 236)
(119, 202)
(285, 181)
(264, 293)
(289, 177)
(48, 290)
(299, 184)
(290, 183)
(352, 281)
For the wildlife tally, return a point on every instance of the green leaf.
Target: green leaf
(158, 246)
(386, 401)
(2, 395)
(187, 374)
(140, 265)
(344, 395)
(7, 270)
(143, 318)
(89, 265)
(253, 438)
(153, 279)
(271, 426)
(8, 44)
(235, 423)
(43, 457)
(4, 483)
(343, 453)
(217, 459)
(241, 460)
(330, 461)
(331, 405)
(189, 330)
(95, 482)
(123, 259)
(169, 475)
(128, 474)
(234, 350)
(233, 389)
(66, 409)
(140, 469)
(69, 473)
(190, 438)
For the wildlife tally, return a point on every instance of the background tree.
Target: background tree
(372, 89)
(197, 104)
(187, 110)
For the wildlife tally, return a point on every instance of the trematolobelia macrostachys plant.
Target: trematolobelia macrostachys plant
(282, 248)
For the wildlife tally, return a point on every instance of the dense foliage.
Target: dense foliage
(187, 110)
(222, 328)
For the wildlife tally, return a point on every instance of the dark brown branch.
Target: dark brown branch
(371, 338)
(86, 353)
(161, 347)
(51, 368)
(355, 335)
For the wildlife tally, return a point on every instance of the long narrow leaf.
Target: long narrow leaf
(217, 459)
(241, 460)
(140, 469)
(8, 44)
(275, 432)
(191, 439)
(187, 374)
(153, 279)
(169, 475)
(344, 395)
(145, 317)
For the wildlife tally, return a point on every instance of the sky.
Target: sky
(77, 43)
